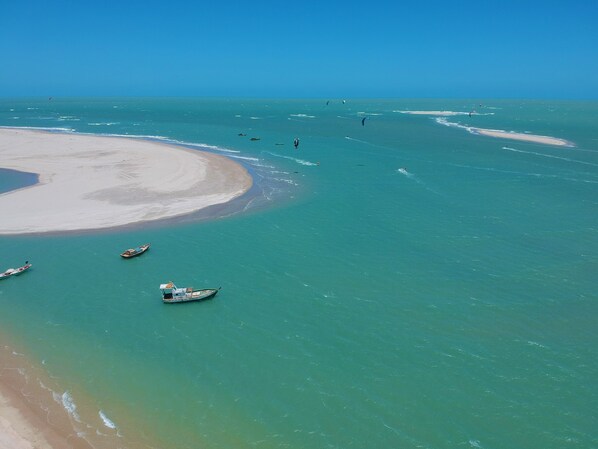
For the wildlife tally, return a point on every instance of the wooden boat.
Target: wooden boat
(133, 252)
(8, 273)
(171, 293)
(22, 269)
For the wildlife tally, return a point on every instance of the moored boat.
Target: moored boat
(8, 273)
(22, 269)
(171, 293)
(132, 252)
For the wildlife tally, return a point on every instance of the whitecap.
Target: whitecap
(107, 422)
(246, 158)
(69, 404)
(299, 161)
(302, 115)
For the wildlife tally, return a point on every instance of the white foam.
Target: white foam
(69, 404)
(246, 158)
(445, 122)
(255, 118)
(288, 181)
(103, 123)
(302, 115)
(204, 145)
(107, 422)
(41, 128)
(299, 161)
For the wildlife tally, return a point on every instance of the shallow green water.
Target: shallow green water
(452, 305)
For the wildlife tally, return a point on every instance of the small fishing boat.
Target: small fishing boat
(22, 269)
(133, 252)
(8, 273)
(171, 293)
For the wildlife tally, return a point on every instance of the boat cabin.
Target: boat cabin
(170, 291)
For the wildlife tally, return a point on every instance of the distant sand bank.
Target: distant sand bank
(437, 113)
(92, 182)
(501, 134)
(521, 136)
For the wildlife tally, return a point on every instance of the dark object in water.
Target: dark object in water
(296, 142)
(241, 134)
(255, 138)
(363, 121)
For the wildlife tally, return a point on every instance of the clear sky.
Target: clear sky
(303, 48)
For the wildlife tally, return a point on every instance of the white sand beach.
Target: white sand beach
(92, 182)
(547, 140)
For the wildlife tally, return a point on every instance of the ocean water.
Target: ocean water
(399, 284)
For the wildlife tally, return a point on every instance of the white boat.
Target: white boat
(8, 273)
(22, 269)
(171, 293)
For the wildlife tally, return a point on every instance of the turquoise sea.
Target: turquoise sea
(449, 304)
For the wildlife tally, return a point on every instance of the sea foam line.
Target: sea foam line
(549, 156)
(40, 128)
(107, 422)
(68, 403)
(299, 161)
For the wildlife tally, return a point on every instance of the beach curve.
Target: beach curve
(95, 182)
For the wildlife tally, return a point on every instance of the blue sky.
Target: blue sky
(516, 49)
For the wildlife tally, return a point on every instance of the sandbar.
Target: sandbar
(437, 113)
(95, 182)
(547, 140)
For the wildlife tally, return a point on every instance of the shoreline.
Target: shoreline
(30, 417)
(37, 413)
(89, 182)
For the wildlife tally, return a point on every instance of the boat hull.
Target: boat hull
(197, 295)
(21, 270)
